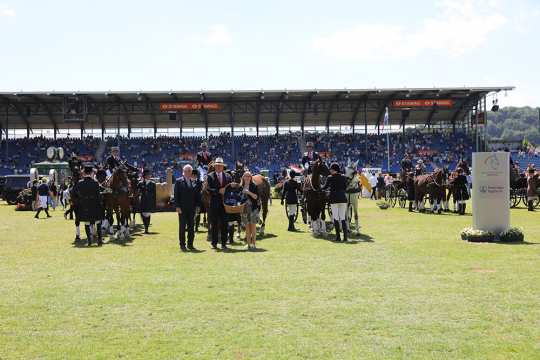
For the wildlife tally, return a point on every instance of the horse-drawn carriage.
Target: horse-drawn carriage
(518, 192)
(396, 193)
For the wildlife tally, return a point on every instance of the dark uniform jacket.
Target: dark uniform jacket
(288, 193)
(460, 187)
(465, 167)
(87, 195)
(147, 190)
(43, 190)
(406, 164)
(186, 197)
(337, 184)
(308, 159)
(409, 183)
(216, 199)
(112, 163)
(203, 159)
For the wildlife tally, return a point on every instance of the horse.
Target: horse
(353, 192)
(316, 199)
(121, 201)
(431, 184)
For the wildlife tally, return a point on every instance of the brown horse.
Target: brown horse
(121, 201)
(316, 199)
(432, 185)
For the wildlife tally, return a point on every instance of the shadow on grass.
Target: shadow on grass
(266, 236)
(355, 239)
(135, 232)
(516, 243)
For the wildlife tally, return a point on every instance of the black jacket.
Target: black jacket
(289, 190)
(337, 184)
(216, 199)
(148, 196)
(43, 190)
(86, 193)
(203, 160)
(186, 198)
(255, 203)
(307, 159)
(460, 188)
(112, 163)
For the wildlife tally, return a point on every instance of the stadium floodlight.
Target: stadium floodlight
(261, 95)
(202, 96)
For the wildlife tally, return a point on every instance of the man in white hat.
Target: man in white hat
(217, 180)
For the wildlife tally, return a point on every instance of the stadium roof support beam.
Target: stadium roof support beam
(307, 101)
(330, 110)
(257, 116)
(282, 98)
(23, 116)
(430, 116)
(356, 110)
(404, 116)
(231, 122)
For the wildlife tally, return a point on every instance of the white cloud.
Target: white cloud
(7, 11)
(219, 35)
(460, 26)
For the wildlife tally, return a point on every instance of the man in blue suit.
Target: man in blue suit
(186, 198)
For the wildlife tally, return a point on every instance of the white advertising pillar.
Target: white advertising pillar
(491, 191)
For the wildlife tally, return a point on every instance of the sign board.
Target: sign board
(188, 106)
(412, 103)
(491, 191)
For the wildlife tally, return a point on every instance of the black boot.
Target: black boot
(530, 206)
(464, 206)
(37, 214)
(99, 236)
(410, 206)
(291, 223)
(336, 225)
(47, 212)
(146, 223)
(345, 229)
(88, 234)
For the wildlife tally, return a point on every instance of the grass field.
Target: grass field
(408, 289)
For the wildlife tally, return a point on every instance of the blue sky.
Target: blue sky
(193, 45)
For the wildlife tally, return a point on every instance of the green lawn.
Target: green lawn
(409, 289)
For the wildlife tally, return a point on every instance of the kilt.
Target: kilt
(461, 194)
(43, 201)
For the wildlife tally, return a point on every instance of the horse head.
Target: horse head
(351, 169)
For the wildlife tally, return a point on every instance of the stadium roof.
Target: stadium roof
(265, 108)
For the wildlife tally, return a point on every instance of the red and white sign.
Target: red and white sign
(188, 106)
(407, 103)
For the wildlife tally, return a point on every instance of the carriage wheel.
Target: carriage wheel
(287, 211)
(514, 199)
(303, 211)
(388, 192)
(402, 198)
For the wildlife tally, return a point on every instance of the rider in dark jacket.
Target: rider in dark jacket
(289, 194)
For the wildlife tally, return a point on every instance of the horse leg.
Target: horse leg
(264, 214)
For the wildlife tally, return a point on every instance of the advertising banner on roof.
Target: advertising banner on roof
(411, 103)
(188, 106)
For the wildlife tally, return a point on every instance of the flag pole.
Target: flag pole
(387, 123)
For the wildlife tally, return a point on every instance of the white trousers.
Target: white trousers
(291, 209)
(339, 211)
(43, 200)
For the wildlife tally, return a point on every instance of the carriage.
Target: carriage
(518, 193)
(395, 193)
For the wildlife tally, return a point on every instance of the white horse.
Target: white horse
(353, 192)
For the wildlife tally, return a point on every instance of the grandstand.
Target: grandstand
(266, 129)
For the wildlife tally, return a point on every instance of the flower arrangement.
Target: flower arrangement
(513, 234)
(473, 235)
